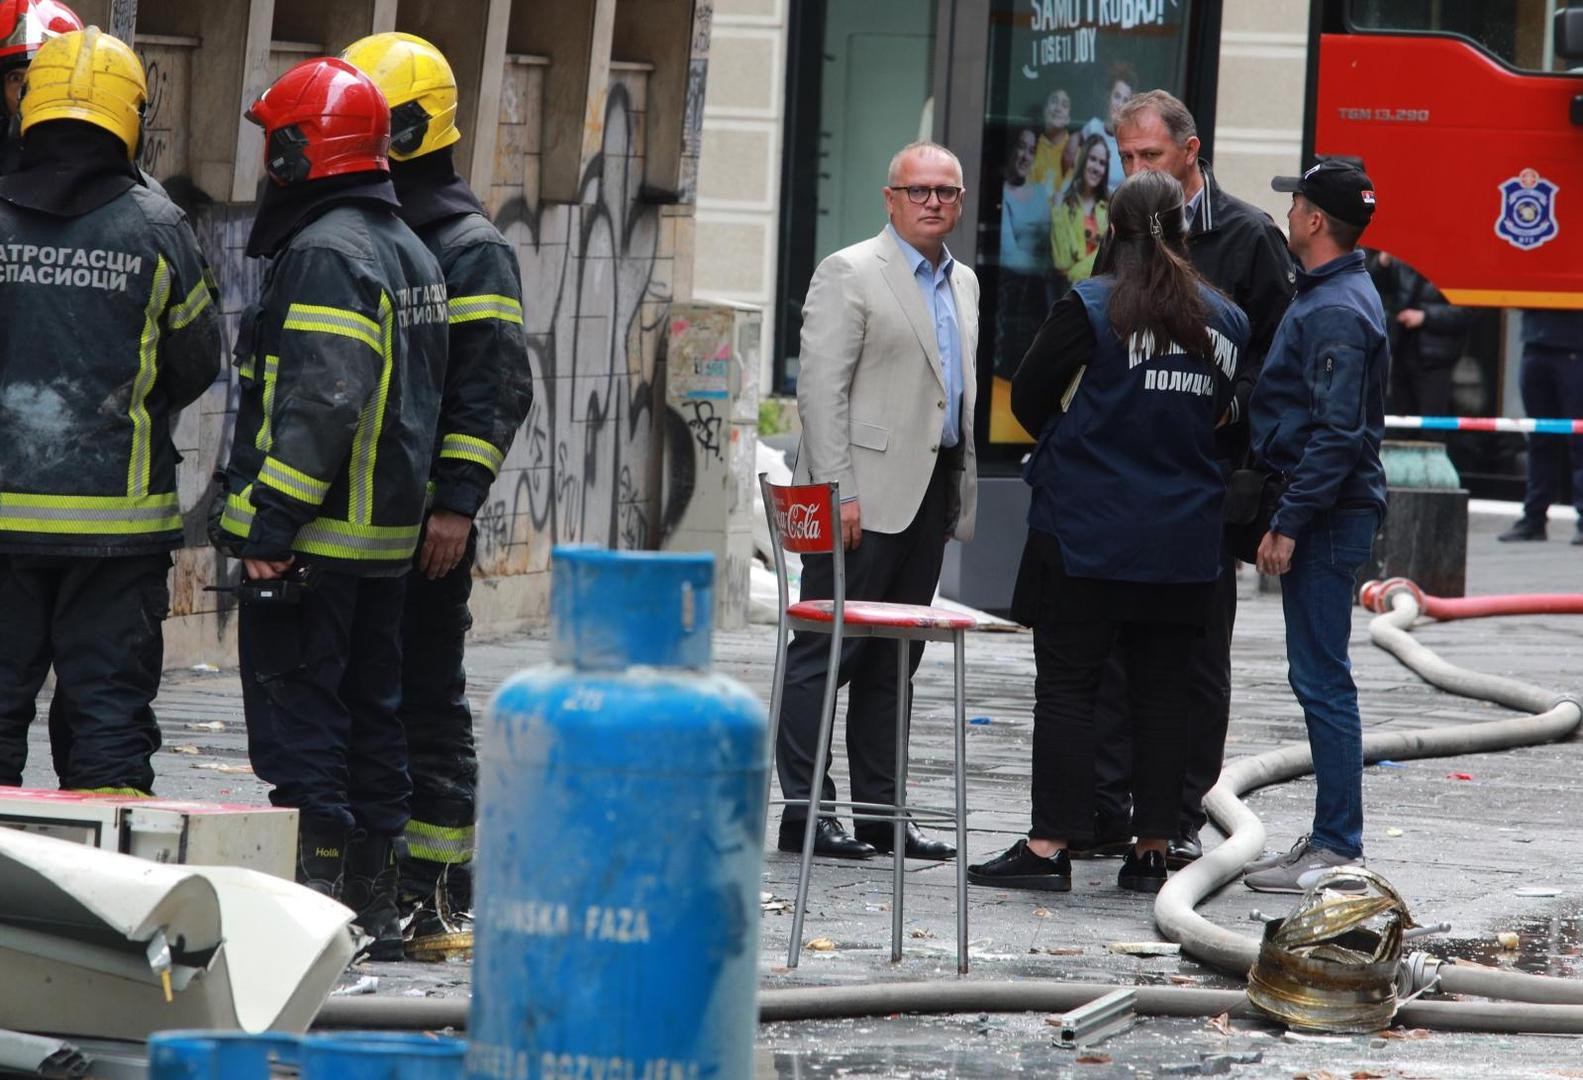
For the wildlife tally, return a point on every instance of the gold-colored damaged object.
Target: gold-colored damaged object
(1331, 965)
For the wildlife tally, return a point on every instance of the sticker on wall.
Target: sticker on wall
(1528, 211)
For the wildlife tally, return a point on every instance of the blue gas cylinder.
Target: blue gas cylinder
(621, 826)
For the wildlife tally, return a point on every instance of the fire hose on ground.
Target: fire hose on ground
(1523, 1003)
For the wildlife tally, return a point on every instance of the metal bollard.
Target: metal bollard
(620, 839)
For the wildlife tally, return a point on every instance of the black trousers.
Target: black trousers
(321, 685)
(1070, 660)
(1209, 696)
(901, 568)
(98, 621)
(435, 715)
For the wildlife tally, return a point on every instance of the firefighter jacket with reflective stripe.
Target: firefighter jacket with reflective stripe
(488, 385)
(108, 327)
(341, 364)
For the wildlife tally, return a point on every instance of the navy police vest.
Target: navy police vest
(1127, 479)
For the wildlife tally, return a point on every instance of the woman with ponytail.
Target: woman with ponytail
(1123, 385)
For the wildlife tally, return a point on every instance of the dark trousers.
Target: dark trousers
(1420, 387)
(1209, 698)
(901, 568)
(1551, 381)
(321, 685)
(98, 621)
(1070, 660)
(435, 715)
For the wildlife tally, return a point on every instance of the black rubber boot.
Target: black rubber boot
(370, 890)
(321, 859)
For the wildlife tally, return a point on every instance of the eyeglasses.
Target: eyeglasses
(919, 193)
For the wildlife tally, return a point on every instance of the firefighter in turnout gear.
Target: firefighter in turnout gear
(24, 27)
(341, 364)
(108, 328)
(488, 391)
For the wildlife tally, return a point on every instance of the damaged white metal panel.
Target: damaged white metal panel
(88, 939)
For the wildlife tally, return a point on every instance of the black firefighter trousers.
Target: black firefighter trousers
(321, 685)
(97, 620)
(438, 722)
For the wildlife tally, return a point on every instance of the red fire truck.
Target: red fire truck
(1459, 109)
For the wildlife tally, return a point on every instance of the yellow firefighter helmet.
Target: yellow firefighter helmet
(418, 82)
(87, 75)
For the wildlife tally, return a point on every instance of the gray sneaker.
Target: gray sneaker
(1297, 872)
(1264, 862)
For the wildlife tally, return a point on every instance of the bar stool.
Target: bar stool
(804, 519)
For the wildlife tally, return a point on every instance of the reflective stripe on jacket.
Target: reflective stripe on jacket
(108, 328)
(488, 384)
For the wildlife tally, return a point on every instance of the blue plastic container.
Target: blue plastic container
(620, 839)
(218, 1055)
(381, 1055)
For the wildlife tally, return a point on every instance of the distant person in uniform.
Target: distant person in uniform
(1427, 334)
(1124, 386)
(1551, 381)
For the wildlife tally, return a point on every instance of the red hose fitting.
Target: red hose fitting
(1376, 596)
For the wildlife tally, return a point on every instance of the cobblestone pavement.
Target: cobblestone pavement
(1458, 849)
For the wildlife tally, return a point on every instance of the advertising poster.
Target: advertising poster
(1058, 71)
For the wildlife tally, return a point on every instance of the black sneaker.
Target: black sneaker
(1019, 868)
(1523, 530)
(1142, 873)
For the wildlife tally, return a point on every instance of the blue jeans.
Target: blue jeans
(1316, 594)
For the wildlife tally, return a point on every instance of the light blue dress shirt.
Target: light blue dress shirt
(938, 300)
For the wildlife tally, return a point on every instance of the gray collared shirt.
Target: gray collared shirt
(939, 301)
(1190, 209)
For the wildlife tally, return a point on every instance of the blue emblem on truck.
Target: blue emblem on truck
(1528, 211)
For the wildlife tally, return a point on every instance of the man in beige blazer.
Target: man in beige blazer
(885, 392)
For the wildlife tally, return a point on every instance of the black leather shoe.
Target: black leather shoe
(881, 835)
(1019, 868)
(1523, 530)
(1142, 873)
(829, 839)
(1183, 850)
(1577, 537)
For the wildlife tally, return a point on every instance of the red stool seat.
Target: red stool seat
(875, 613)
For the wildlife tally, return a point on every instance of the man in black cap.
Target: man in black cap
(1317, 418)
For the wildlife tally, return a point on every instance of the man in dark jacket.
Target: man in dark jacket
(107, 330)
(488, 392)
(1426, 337)
(1317, 418)
(1238, 249)
(1551, 381)
(341, 364)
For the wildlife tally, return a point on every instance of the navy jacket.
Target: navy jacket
(1559, 330)
(1127, 479)
(1318, 411)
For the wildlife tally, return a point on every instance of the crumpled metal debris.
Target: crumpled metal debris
(1331, 964)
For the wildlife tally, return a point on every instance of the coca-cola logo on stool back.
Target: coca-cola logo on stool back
(802, 517)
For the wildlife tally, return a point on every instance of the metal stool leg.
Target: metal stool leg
(899, 835)
(960, 723)
(777, 691)
(815, 794)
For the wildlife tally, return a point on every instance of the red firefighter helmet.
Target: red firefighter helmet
(322, 118)
(27, 24)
